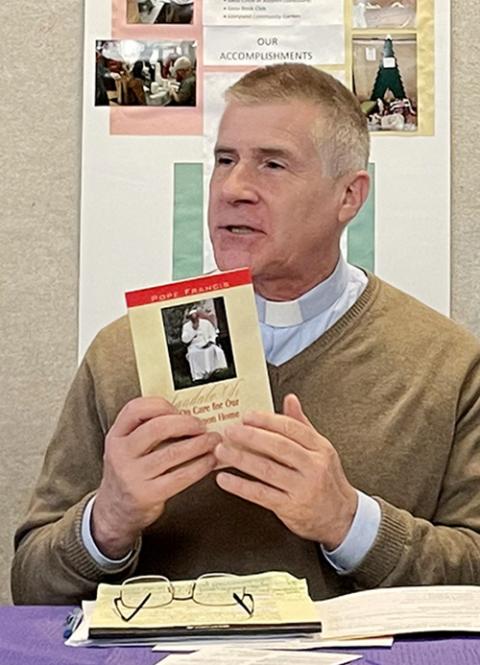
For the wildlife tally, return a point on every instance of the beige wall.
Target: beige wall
(41, 48)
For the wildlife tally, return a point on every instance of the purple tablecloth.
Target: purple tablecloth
(33, 636)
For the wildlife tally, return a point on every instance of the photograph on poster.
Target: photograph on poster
(150, 12)
(395, 14)
(139, 73)
(385, 81)
(198, 341)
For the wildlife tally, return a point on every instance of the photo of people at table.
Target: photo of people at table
(139, 73)
(160, 11)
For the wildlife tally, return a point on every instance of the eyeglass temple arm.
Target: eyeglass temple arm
(242, 604)
(118, 600)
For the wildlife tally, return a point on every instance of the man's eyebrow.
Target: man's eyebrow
(223, 148)
(267, 151)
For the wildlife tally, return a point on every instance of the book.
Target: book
(197, 344)
(272, 603)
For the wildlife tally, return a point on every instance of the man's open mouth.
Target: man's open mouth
(240, 230)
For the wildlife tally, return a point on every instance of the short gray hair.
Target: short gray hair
(341, 134)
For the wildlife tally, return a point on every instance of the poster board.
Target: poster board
(146, 168)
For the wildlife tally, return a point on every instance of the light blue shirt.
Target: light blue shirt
(288, 328)
(109, 565)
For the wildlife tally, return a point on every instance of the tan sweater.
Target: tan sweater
(394, 386)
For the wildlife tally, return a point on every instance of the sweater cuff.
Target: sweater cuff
(387, 548)
(77, 554)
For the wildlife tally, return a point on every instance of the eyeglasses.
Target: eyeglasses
(156, 591)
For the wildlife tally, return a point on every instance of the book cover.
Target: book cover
(197, 344)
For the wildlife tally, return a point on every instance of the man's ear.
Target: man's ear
(355, 192)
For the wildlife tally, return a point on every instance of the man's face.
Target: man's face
(181, 74)
(271, 207)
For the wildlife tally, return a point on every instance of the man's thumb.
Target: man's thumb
(293, 409)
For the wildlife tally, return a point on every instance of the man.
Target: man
(101, 72)
(367, 475)
(132, 84)
(204, 355)
(177, 11)
(184, 74)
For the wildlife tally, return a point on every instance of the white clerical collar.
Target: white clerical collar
(281, 314)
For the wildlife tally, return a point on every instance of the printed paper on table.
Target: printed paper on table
(197, 344)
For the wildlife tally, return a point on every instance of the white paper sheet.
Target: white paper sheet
(401, 610)
(285, 644)
(320, 45)
(235, 656)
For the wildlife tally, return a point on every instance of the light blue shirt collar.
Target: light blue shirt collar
(319, 299)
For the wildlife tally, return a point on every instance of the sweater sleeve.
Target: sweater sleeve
(410, 550)
(51, 564)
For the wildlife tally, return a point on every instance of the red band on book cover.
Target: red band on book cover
(204, 286)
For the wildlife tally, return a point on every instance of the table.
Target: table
(33, 636)
(159, 98)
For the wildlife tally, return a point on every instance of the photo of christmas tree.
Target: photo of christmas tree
(385, 81)
(374, 14)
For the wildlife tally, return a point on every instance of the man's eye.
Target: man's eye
(223, 161)
(273, 165)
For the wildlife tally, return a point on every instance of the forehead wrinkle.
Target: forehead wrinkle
(271, 151)
(289, 140)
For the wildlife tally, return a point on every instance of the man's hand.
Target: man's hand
(298, 473)
(151, 453)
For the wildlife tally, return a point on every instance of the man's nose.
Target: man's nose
(240, 184)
